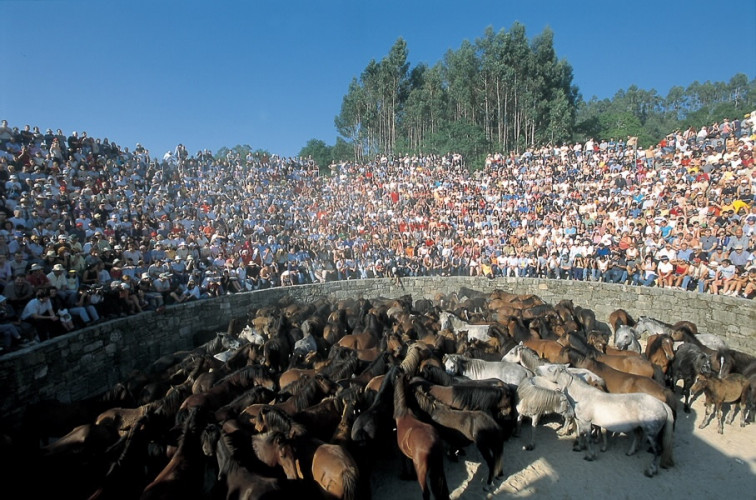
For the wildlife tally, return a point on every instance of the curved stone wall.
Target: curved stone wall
(89, 361)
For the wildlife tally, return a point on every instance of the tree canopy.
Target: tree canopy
(504, 92)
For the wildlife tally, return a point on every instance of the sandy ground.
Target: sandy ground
(708, 465)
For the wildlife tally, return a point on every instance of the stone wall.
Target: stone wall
(89, 361)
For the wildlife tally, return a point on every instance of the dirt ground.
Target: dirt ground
(707, 465)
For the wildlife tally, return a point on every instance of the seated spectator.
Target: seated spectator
(39, 313)
(9, 327)
(37, 278)
(188, 293)
(18, 292)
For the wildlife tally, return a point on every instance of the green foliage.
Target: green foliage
(318, 151)
(654, 116)
(503, 92)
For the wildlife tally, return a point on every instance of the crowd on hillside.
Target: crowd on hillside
(91, 230)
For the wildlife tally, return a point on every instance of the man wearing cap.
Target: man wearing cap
(162, 285)
(37, 278)
(59, 280)
(153, 297)
(739, 257)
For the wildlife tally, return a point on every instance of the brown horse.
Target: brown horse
(550, 350)
(462, 427)
(184, 476)
(660, 351)
(620, 317)
(635, 365)
(329, 465)
(420, 443)
(245, 476)
(309, 391)
(734, 388)
(274, 450)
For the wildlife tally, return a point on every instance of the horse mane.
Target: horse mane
(378, 366)
(341, 369)
(306, 395)
(261, 444)
(294, 387)
(400, 397)
(425, 401)
(412, 359)
(437, 375)
(530, 358)
(656, 344)
(476, 397)
(168, 405)
(279, 421)
(246, 375)
(538, 399)
(574, 356)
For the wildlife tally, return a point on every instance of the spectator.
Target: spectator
(9, 326)
(39, 312)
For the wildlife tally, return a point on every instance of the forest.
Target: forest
(504, 92)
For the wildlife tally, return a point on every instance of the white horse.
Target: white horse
(529, 359)
(651, 326)
(626, 339)
(626, 413)
(250, 335)
(477, 369)
(452, 322)
(654, 326)
(534, 400)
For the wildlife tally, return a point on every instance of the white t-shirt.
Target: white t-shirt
(35, 306)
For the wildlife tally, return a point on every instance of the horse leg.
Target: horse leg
(488, 456)
(637, 436)
(604, 439)
(734, 407)
(584, 433)
(566, 427)
(653, 469)
(533, 424)
(720, 418)
(705, 420)
(421, 469)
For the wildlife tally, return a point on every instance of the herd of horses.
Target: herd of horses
(304, 398)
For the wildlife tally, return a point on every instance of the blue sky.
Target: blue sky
(272, 74)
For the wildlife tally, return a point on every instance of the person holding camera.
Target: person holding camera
(187, 294)
(83, 308)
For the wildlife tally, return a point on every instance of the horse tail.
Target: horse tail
(438, 484)
(667, 437)
(350, 485)
(671, 400)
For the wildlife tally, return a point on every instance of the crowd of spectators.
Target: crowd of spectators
(90, 230)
